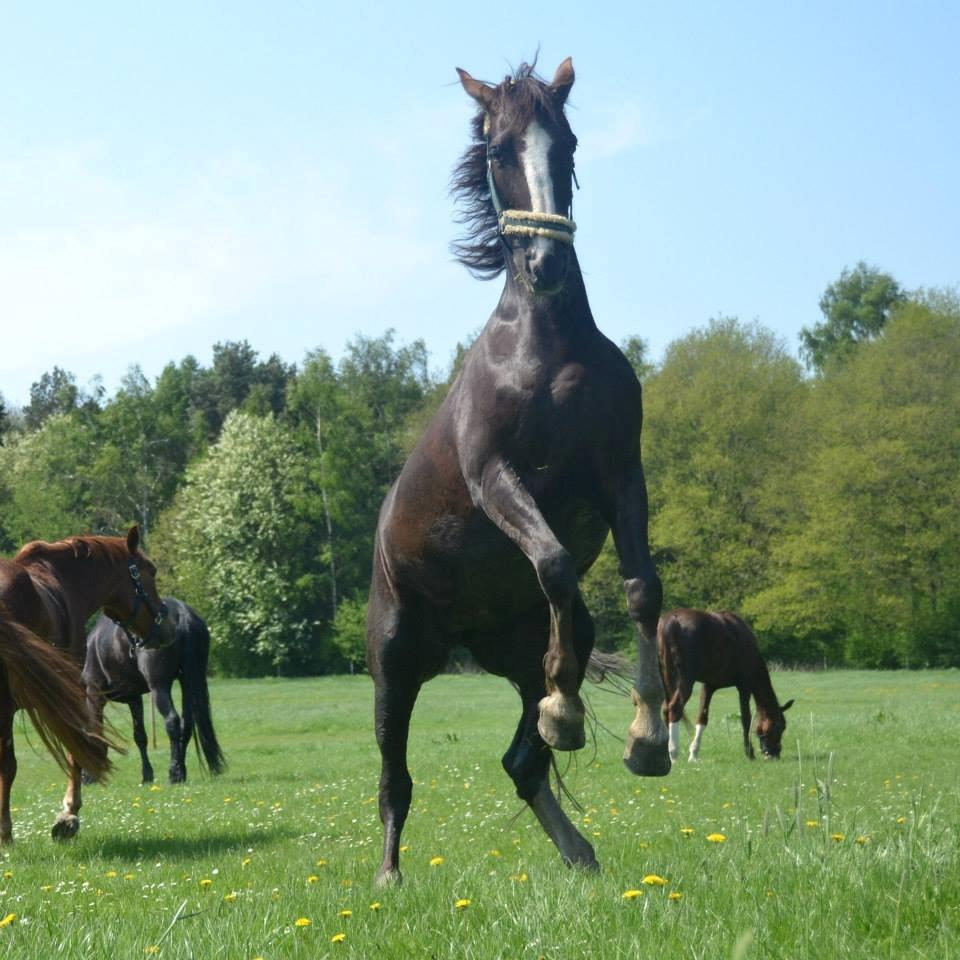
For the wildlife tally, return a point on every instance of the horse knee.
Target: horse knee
(527, 767)
(557, 573)
(644, 599)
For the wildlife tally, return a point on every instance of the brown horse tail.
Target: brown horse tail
(671, 668)
(45, 682)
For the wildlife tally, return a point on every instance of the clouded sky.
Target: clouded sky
(184, 174)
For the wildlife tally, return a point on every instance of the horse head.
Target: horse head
(527, 148)
(136, 605)
(770, 730)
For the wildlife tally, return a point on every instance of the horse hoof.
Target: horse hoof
(388, 877)
(647, 760)
(561, 722)
(66, 827)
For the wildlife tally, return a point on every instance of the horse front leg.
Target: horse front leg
(503, 497)
(745, 722)
(647, 751)
(706, 693)
(140, 739)
(8, 764)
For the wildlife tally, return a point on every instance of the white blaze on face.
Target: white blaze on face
(536, 167)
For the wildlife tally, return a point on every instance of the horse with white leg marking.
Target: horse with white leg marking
(719, 650)
(512, 489)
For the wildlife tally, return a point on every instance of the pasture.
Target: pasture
(848, 847)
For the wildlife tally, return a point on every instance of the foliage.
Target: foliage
(855, 308)
(350, 631)
(238, 549)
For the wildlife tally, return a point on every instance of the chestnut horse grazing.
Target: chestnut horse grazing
(719, 650)
(509, 494)
(47, 593)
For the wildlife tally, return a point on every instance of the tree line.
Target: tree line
(819, 497)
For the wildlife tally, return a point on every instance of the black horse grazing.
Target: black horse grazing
(512, 489)
(719, 650)
(116, 671)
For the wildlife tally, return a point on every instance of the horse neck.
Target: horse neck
(763, 695)
(85, 583)
(569, 309)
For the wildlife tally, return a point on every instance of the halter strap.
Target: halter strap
(140, 596)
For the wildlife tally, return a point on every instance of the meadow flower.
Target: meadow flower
(321, 862)
(716, 838)
(901, 819)
(346, 913)
(404, 847)
(862, 839)
(462, 904)
(7, 874)
(153, 948)
(338, 938)
(436, 861)
(687, 831)
(313, 878)
(205, 882)
(674, 895)
(246, 862)
(231, 896)
(652, 880)
(302, 922)
(520, 877)
(110, 873)
(8, 919)
(495, 853)
(839, 837)
(813, 824)
(632, 894)
(375, 905)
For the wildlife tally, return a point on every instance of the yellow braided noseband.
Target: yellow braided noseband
(531, 223)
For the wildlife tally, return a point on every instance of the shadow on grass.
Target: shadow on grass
(189, 848)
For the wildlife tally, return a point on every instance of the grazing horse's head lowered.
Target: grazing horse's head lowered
(770, 729)
(526, 146)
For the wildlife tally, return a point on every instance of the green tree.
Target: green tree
(239, 548)
(872, 557)
(856, 308)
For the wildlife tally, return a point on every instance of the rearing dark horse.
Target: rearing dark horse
(508, 496)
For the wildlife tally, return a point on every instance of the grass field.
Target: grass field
(848, 847)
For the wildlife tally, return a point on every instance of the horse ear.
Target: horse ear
(786, 706)
(480, 91)
(133, 538)
(563, 80)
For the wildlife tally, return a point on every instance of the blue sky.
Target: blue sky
(191, 173)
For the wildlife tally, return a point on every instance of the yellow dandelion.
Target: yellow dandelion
(495, 853)
(110, 873)
(674, 895)
(462, 904)
(7, 874)
(813, 824)
(404, 847)
(313, 878)
(129, 876)
(652, 880)
(302, 922)
(47, 887)
(231, 896)
(375, 905)
(8, 919)
(246, 862)
(338, 938)
(901, 819)
(321, 862)
(346, 913)
(206, 883)
(436, 861)
(862, 839)
(632, 894)
(153, 948)
(520, 877)
(716, 838)
(839, 837)
(686, 831)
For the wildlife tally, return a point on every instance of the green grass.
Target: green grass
(225, 867)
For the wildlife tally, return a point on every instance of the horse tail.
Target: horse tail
(671, 665)
(45, 682)
(196, 699)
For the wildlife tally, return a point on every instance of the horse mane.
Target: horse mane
(521, 96)
(110, 548)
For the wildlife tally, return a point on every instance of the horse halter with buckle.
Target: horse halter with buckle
(529, 223)
(140, 596)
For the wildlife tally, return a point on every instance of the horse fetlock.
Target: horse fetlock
(561, 722)
(388, 877)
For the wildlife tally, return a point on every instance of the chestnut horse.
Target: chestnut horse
(719, 650)
(511, 491)
(115, 670)
(48, 591)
